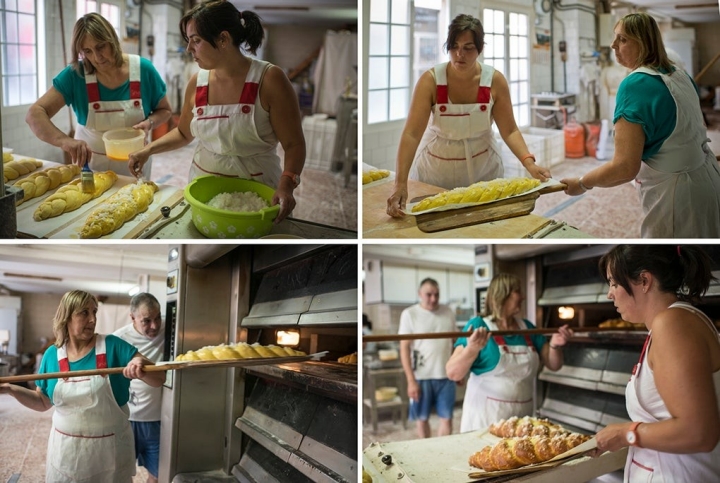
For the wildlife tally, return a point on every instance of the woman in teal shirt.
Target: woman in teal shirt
(502, 370)
(91, 438)
(660, 140)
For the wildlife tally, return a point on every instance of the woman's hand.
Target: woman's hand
(136, 161)
(146, 126)
(538, 172)
(79, 151)
(573, 186)
(561, 337)
(478, 340)
(396, 202)
(134, 369)
(611, 438)
(284, 197)
(5, 388)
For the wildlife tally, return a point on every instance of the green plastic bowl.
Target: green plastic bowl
(217, 223)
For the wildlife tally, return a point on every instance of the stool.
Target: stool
(398, 405)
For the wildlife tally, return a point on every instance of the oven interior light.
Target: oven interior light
(288, 337)
(566, 313)
(173, 254)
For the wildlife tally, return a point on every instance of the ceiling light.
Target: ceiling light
(134, 290)
(35, 277)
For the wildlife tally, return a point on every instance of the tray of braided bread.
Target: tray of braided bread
(525, 445)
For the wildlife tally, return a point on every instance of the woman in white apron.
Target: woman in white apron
(107, 89)
(679, 183)
(673, 397)
(458, 146)
(237, 107)
(502, 370)
(91, 438)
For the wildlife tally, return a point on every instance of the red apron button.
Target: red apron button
(137, 103)
(200, 110)
(483, 107)
(443, 108)
(245, 108)
(96, 106)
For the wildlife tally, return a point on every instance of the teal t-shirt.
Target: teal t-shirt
(72, 87)
(645, 99)
(118, 354)
(490, 354)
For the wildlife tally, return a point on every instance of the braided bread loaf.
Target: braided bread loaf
(374, 175)
(37, 184)
(512, 453)
(15, 169)
(526, 426)
(71, 197)
(122, 206)
(480, 192)
(241, 350)
(7, 157)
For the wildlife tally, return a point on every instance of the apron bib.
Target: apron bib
(459, 147)
(508, 390)
(645, 405)
(679, 185)
(228, 140)
(106, 115)
(91, 438)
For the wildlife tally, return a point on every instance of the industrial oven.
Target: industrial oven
(275, 423)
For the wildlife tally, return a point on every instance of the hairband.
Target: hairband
(242, 20)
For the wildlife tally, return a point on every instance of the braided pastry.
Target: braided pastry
(38, 183)
(241, 350)
(71, 197)
(122, 206)
(374, 175)
(526, 426)
(513, 453)
(15, 169)
(480, 192)
(7, 157)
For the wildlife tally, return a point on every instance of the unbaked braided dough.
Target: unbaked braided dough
(480, 192)
(38, 183)
(241, 350)
(513, 453)
(71, 197)
(15, 169)
(113, 212)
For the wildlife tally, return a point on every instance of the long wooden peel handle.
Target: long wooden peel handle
(87, 372)
(552, 188)
(454, 335)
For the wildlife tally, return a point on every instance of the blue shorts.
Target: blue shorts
(147, 444)
(433, 392)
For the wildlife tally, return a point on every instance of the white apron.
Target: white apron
(91, 439)
(680, 185)
(507, 390)
(106, 115)
(644, 404)
(459, 147)
(229, 143)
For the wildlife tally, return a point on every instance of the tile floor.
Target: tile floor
(23, 443)
(322, 196)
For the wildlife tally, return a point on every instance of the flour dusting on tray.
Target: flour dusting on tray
(243, 201)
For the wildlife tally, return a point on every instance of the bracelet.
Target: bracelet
(528, 156)
(582, 185)
(556, 347)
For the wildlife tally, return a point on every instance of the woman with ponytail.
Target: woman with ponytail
(673, 397)
(238, 107)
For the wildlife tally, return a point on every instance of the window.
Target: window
(507, 49)
(389, 72)
(426, 37)
(18, 39)
(110, 11)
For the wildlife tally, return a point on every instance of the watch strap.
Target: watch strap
(633, 429)
(293, 176)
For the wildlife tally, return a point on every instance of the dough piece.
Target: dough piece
(15, 169)
(224, 353)
(349, 359)
(263, 351)
(278, 351)
(294, 353)
(7, 157)
(374, 174)
(39, 182)
(71, 197)
(481, 192)
(113, 212)
(206, 354)
(246, 351)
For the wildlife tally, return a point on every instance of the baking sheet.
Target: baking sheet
(455, 206)
(368, 167)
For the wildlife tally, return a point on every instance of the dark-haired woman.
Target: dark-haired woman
(236, 106)
(106, 89)
(458, 147)
(660, 140)
(673, 397)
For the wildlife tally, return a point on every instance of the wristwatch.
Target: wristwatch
(294, 177)
(632, 435)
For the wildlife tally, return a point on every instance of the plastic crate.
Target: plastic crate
(319, 132)
(513, 167)
(554, 145)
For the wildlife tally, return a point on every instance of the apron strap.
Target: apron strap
(201, 88)
(642, 355)
(134, 61)
(529, 343)
(500, 341)
(100, 352)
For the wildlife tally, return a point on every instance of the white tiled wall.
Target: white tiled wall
(380, 145)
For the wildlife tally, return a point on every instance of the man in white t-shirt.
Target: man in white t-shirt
(424, 360)
(147, 334)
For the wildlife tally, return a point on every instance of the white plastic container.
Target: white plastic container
(119, 143)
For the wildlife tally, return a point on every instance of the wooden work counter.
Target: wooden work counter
(377, 224)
